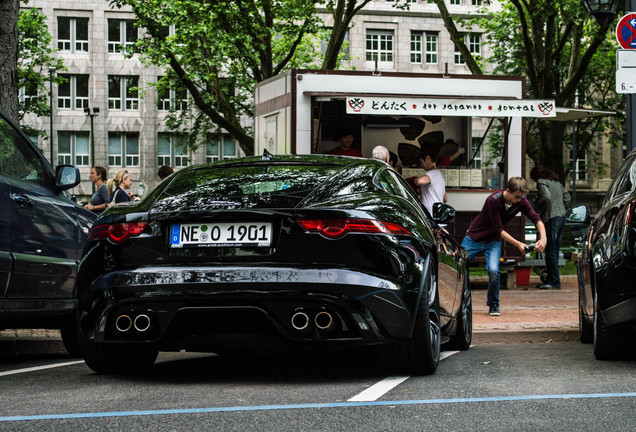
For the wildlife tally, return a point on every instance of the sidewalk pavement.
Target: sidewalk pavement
(528, 314)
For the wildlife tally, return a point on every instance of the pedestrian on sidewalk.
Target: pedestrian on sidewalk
(488, 229)
(550, 204)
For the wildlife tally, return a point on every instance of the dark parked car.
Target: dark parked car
(42, 235)
(607, 268)
(274, 252)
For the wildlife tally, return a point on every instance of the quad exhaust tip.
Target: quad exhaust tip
(142, 323)
(323, 320)
(300, 321)
(123, 323)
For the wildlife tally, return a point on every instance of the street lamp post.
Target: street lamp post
(92, 112)
(603, 11)
(51, 72)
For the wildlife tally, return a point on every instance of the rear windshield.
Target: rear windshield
(235, 182)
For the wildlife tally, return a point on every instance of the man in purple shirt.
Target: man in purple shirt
(487, 229)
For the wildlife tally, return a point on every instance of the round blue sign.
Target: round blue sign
(626, 31)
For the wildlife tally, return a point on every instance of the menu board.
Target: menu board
(453, 178)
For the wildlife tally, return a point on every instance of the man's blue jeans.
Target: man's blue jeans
(492, 252)
(554, 231)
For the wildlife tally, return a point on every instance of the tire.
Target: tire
(420, 354)
(607, 339)
(464, 334)
(112, 359)
(71, 340)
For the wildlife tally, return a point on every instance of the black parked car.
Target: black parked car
(274, 252)
(607, 268)
(42, 235)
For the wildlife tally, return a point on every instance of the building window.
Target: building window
(122, 35)
(72, 34)
(580, 173)
(431, 47)
(171, 150)
(474, 46)
(459, 59)
(416, 47)
(220, 146)
(476, 2)
(27, 93)
(73, 93)
(123, 93)
(475, 151)
(380, 47)
(172, 99)
(344, 50)
(72, 148)
(455, 2)
(123, 147)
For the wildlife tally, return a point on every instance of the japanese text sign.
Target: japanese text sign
(450, 107)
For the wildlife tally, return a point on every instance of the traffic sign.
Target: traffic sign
(626, 31)
(626, 71)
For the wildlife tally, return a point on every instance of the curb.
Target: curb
(14, 346)
(525, 336)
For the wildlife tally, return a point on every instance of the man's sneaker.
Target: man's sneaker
(494, 311)
(545, 286)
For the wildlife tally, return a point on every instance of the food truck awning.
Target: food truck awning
(569, 114)
(379, 104)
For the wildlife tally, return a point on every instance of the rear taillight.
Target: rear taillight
(117, 232)
(334, 228)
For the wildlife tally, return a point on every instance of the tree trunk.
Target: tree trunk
(457, 38)
(343, 12)
(9, 57)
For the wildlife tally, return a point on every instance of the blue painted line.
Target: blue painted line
(313, 406)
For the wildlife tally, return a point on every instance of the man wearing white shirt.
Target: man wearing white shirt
(432, 184)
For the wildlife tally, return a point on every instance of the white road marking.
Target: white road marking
(447, 354)
(379, 389)
(38, 368)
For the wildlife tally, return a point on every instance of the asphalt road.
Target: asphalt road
(533, 387)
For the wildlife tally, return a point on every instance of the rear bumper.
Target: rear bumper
(187, 304)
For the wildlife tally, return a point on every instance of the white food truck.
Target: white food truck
(302, 112)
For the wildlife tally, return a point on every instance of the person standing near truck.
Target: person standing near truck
(488, 229)
(380, 153)
(345, 138)
(432, 185)
(550, 203)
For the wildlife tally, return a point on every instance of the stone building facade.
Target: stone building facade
(129, 131)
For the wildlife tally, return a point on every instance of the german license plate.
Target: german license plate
(246, 234)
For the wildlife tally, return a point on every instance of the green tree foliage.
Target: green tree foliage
(35, 59)
(218, 50)
(565, 56)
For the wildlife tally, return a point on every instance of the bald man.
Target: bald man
(380, 153)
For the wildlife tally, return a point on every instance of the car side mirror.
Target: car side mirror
(578, 214)
(66, 177)
(443, 213)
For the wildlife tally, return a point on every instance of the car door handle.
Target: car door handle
(22, 200)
